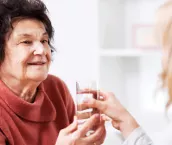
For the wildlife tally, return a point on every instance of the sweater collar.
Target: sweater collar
(41, 110)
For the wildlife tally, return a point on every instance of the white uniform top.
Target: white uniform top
(139, 137)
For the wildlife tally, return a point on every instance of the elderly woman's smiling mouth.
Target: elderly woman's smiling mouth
(37, 63)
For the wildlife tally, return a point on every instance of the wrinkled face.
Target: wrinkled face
(27, 51)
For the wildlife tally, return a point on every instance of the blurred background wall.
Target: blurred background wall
(111, 41)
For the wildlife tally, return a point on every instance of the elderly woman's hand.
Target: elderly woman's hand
(72, 135)
(111, 107)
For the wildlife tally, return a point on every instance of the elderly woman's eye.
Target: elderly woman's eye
(44, 41)
(27, 42)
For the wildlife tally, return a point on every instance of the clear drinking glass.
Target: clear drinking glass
(85, 113)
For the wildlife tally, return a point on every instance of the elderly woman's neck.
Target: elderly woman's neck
(26, 91)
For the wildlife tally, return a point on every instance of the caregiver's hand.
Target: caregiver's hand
(72, 135)
(110, 106)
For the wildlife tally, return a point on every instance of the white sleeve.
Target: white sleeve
(138, 137)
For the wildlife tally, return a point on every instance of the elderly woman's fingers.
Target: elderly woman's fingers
(98, 136)
(89, 124)
(101, 139)
(66, 135)
(71, 128)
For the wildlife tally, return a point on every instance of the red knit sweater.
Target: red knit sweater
(37, 123)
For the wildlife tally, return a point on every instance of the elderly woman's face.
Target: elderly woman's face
(27, 52)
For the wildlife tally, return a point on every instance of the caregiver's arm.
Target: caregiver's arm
(121, 118)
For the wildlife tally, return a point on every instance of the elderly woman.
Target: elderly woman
(35, 108)
(120, 117)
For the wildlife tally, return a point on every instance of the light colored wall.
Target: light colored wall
(75, 23)
(80, 31)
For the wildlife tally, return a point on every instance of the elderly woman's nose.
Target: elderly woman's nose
(39, 49)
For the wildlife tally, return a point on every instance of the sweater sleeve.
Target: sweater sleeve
(2, 139)
(138, 137)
